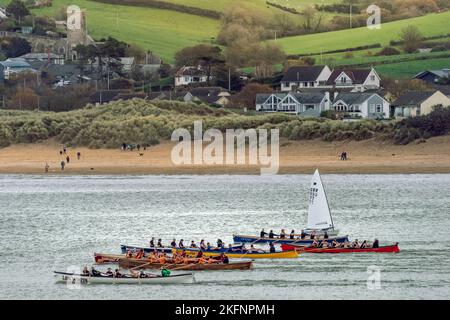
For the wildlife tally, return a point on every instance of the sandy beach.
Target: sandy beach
(432, 156)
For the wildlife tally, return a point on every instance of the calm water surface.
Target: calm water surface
(50, 223)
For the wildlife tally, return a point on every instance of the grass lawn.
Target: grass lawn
(433, 24)
(162, 31)
(408, 69)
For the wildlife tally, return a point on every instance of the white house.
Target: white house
(361, 105)
(313, 77)
(305, 77)
(305, 104)
(190, 75)
(416, 103)
(359, 80)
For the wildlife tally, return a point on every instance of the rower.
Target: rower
(375, 244)
(303, 235)
(271, 235)
(180, 244)
(325, 236)
(159, 243)
(201, 260)
(154, 257)
(224, 258)
(142, 274)
(313, 235)
(162, 258)
(335, 243)
(219, 243)
(272, 248)
(140, 254)
(109, 272)
(262, 234)
(324, 244)
(152, 242)
(364, 244)
(117, 274)
(252, 249)
(202, 245)
(314, 244)
(199, 254)
(183, 253)
(85, 271)
(291, 236)
(208, 246)
(355, 244)
(193, 245)
(230, 248)
(94, 273)
(129, 254)
(211, 260)
(173, 244)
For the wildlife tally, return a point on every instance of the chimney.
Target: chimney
(335, 95)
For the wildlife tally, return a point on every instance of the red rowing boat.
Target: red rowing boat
(391, 248)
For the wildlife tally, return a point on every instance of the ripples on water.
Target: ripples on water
(50, 223)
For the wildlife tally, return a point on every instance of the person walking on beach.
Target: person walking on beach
(60, 152)
(78, 155)
(138, 147)
(65, 150)
(46, 167)
(68, 159)
(63, 164)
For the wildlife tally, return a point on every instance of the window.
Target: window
(379, 108)
(309, 107)
(372, 78)
(305, 84)
(343, 80)
(311, 84)
(372, 108)
(186, 79)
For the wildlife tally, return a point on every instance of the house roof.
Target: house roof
(302, 73)
(358, 76)
(438, 73)
(104, 96)
(303, 98)
(190, 71)
(414, 97)
(353, 97)
(15, 63)
(206, 91)
(41, 56)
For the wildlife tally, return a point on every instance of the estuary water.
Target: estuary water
(54, 222)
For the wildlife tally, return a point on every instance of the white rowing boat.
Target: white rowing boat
(63, 277)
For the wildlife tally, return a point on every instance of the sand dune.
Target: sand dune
(370, 156)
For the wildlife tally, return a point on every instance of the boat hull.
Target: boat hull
(63, 277)
(142, 264)
(242, 255)
(304, 242)
(384, 249)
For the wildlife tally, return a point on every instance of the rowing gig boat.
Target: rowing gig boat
(192, 252)
(128, 263)
(103, 258)
(391, 248)
(301, 242)
(157, 279)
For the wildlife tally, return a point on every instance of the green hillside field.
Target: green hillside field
(433, 24)
(162, 31)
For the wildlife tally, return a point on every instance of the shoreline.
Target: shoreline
(296, 157)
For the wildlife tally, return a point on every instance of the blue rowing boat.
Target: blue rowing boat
(306, 242)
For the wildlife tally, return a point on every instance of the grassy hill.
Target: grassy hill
(161, 31)
(433, 24)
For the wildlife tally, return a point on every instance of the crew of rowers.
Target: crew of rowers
(353, 245)
(177, 257)
(117, 274)
(292, 235)
(173, 244)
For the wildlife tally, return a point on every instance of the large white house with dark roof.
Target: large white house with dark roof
(322, 77)
(361, 105)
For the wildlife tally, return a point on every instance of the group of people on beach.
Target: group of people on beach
(131, 147)
(65, 159)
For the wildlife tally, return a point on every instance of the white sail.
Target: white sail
(319, 216)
